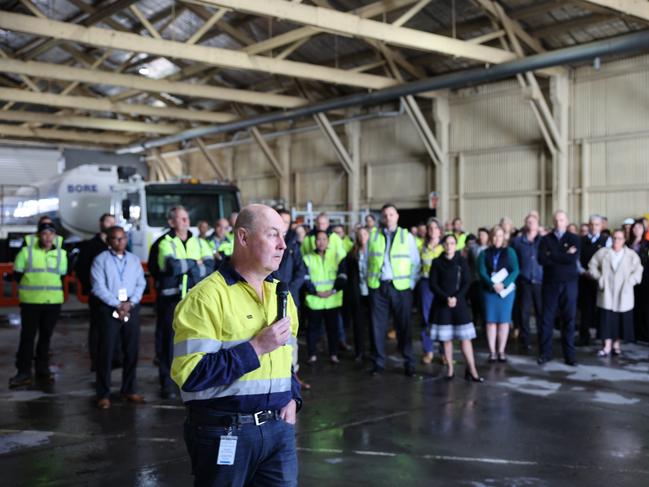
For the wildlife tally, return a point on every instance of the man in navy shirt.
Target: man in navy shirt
(559, 255)
(528, 284)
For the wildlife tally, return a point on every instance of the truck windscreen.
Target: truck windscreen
(203, 202)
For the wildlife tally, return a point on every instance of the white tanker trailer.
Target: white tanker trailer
(77, 198)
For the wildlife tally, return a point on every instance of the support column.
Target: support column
(353, 130)
(460, 186)
(585, 180)
(284, 159)
(442, 117)
(560, 95)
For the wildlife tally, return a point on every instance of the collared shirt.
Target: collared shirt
(527, 252)
(209, 368)
(594, 238)
(109, 274)
(415, 258)
(559, 234)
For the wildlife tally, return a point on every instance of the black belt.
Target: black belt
(215, 418)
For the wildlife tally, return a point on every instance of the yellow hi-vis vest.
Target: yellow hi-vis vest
(172, 248)
(399, 259)
(427, 257)
(33, 240)
(215, 316)
(42, 271)
(322, 273)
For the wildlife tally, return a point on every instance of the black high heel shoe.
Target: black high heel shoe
(470, 378)
(449, 378)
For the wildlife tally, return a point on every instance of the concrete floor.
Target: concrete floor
(526, 426)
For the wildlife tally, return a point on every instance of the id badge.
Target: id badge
(227, 450)
(122, 295)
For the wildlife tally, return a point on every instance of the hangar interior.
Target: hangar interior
(205, 89)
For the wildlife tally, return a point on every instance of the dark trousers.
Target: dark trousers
(110, 330)
(315, 318)
(165, 307)
(528, 299)
(36, 319)
(587, 308)
(426, 304)
(265, 455)
(93, 331)
(384, 301)
(359, 315)
(561, 297)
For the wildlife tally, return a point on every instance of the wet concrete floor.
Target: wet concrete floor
(525, 426)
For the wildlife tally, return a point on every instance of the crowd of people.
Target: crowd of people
(497, 279)
(366, 281)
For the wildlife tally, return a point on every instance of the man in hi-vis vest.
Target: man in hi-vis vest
(39, 269)
(392, 270)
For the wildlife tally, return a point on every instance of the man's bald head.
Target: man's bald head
(252, 215)
(258, 238)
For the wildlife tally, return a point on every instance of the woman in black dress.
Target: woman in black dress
(451, 319)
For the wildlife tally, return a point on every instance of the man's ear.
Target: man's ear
(242, 236)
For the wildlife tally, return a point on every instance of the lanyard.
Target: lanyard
(494, 260)
(117, 264)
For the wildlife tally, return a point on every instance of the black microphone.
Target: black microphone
(282, 300)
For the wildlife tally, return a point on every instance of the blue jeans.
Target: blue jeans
(265, 455)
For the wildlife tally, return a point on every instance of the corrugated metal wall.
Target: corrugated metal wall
(25, 166)
(611, 114)
(493, 130)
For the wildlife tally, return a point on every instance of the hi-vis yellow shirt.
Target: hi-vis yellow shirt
(214, 362)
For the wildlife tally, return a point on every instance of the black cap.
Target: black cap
(46, 226)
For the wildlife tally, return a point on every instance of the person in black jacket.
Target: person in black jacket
(590, 244)
(88, 251)
(451, 319)
(292, 269)
(356, 294)
(640, 245)
(559, 254)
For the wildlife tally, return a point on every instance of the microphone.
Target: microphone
(282, 300)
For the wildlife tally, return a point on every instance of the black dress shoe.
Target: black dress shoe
(409, 371)
(571, 362)
(449, 378)
(19, 380)
(542, 360)
(471, 378)
(376, 370)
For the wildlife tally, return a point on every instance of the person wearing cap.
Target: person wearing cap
(33, 238)
(118, 284)
(233, 364)
(39, 269)
(626, 226)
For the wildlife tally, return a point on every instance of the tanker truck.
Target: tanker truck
(77, 198)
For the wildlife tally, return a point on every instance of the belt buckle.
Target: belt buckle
(256, 415)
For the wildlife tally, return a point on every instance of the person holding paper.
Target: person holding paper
(117, 281)
(498, 268)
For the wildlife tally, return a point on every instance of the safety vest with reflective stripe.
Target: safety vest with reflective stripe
(322, 272)
(427, 257)
(42, 270)
(216, 316)
(175, 261)
(33, 240)
(399, 260)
